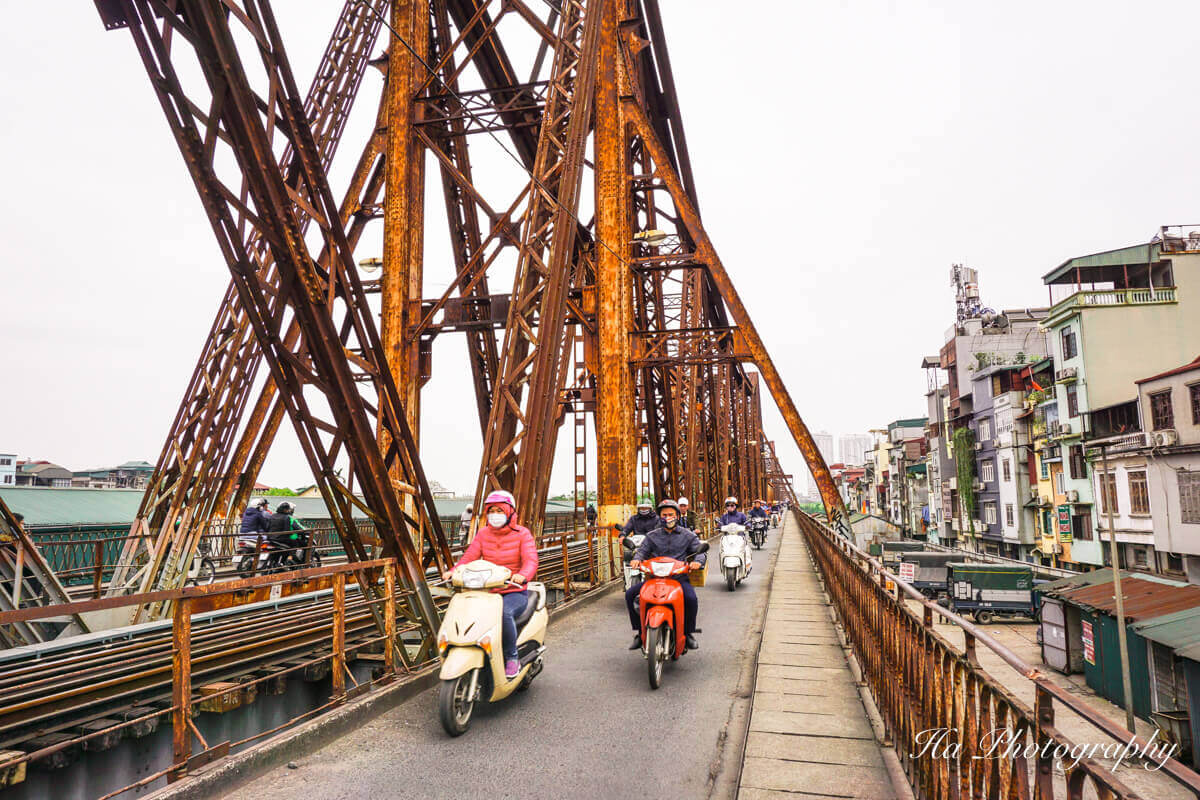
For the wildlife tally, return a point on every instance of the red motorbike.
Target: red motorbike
(661, 605)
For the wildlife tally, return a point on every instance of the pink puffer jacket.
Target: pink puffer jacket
(510, 547)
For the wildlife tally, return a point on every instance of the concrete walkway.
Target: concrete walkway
(809, 734)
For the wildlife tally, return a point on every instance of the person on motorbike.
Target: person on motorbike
(506, 544)
(254, 521)
(686, 515)
(284, 531)
(671, 540)
(732, 515)
(758, 511)
(644, 521)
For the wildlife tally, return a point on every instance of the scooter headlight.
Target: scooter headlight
(476, 578)
(661, 569)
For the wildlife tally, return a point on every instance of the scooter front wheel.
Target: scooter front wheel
(731, 577)
(455, 704)
(656, 654)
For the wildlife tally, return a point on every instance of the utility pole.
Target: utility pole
(1126, 685)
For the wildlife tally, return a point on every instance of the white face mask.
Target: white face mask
(497, 520)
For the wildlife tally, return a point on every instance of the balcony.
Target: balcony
(1141, 296)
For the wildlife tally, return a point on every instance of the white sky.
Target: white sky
(846, 154)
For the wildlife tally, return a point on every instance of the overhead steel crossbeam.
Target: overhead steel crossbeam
(245, 112)
(198, 469)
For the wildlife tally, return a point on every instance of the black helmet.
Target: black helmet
(285, 508)
(668, 503)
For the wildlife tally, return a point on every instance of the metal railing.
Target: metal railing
(1116, 297)
(924, 687)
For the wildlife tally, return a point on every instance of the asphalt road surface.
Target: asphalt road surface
(588, 727)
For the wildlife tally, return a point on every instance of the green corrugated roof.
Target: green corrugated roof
(1177, 630)
(914, 422)
(1096, 577)
(1134, 254)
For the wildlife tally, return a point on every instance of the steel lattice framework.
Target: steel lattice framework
(627, 314)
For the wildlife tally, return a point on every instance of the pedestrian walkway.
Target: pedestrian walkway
(809, 734)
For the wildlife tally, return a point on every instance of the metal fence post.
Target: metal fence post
(562, 538)
(181, 688)
(389, 618)
(339, 634)
(97, 567)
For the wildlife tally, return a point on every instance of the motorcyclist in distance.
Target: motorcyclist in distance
(254, 521)
(671, 540)
(759, 511)
(644, 521)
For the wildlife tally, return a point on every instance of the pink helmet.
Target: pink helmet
(501, 497)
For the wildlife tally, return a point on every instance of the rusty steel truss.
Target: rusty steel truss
(619, 307)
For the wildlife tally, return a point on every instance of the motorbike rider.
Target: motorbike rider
(671, 540)
(686, 516)
(732, 515)
(506, 544)
(758, 511)
(644, 521)
(254, 521)
(283, 530)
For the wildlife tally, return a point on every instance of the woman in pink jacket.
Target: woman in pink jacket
(505, 543)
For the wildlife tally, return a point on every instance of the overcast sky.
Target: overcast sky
(846, 154)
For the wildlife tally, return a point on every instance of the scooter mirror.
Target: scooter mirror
(703, 548)
(627, 544)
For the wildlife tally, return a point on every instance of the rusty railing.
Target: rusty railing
(989, 743)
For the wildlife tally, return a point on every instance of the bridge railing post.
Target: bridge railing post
(181, 689)
(339, 635)
(389, 619)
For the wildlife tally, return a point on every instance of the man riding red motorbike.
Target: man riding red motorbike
(671, 540)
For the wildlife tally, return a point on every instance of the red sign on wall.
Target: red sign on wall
(1089, 645)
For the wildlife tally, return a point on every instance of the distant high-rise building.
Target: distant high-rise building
(825, 445)
(852, 446)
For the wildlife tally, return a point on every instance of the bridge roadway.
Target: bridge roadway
(589, 726)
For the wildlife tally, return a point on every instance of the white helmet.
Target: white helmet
(259, 502)
(729, 500)
(683, 501)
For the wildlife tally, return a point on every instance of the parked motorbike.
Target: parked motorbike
(203, 570)
(735, 554)
(661, 606)
(631, 543)
(471, 646)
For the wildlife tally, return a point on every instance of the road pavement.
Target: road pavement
(588, 726)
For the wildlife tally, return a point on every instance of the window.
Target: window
(8, 478)
(1008, 515)
(1044, 466)
(1161, 414)
(1060, 483)
(989, 513)
(1189, 497)
(1081, 526)
(1108, 492)
(985, 430)
(987, 471)
(1174, 562)
(1069, 347)
(1072, 401)
(1139, 558)
(1193, 395)
(5, 462)
(1079, 469)
(1006, 469)
(1139, 494)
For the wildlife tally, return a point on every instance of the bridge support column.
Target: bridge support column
(616, 431)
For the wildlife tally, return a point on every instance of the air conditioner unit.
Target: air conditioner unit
(1033, 494)
(979, 445)
(1073, 496)
(1056, 548)
(1066, 374)
(954, 483)
(1044, 501)
(1166, 438)
(1065, 429)
(977, 485)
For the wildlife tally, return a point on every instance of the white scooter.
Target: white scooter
(735, 554)
(471, 643)
(633, 577)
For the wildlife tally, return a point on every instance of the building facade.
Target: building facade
(8, 469)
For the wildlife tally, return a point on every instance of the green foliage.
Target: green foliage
(280, 493)
(812, 508)
(964, 463)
